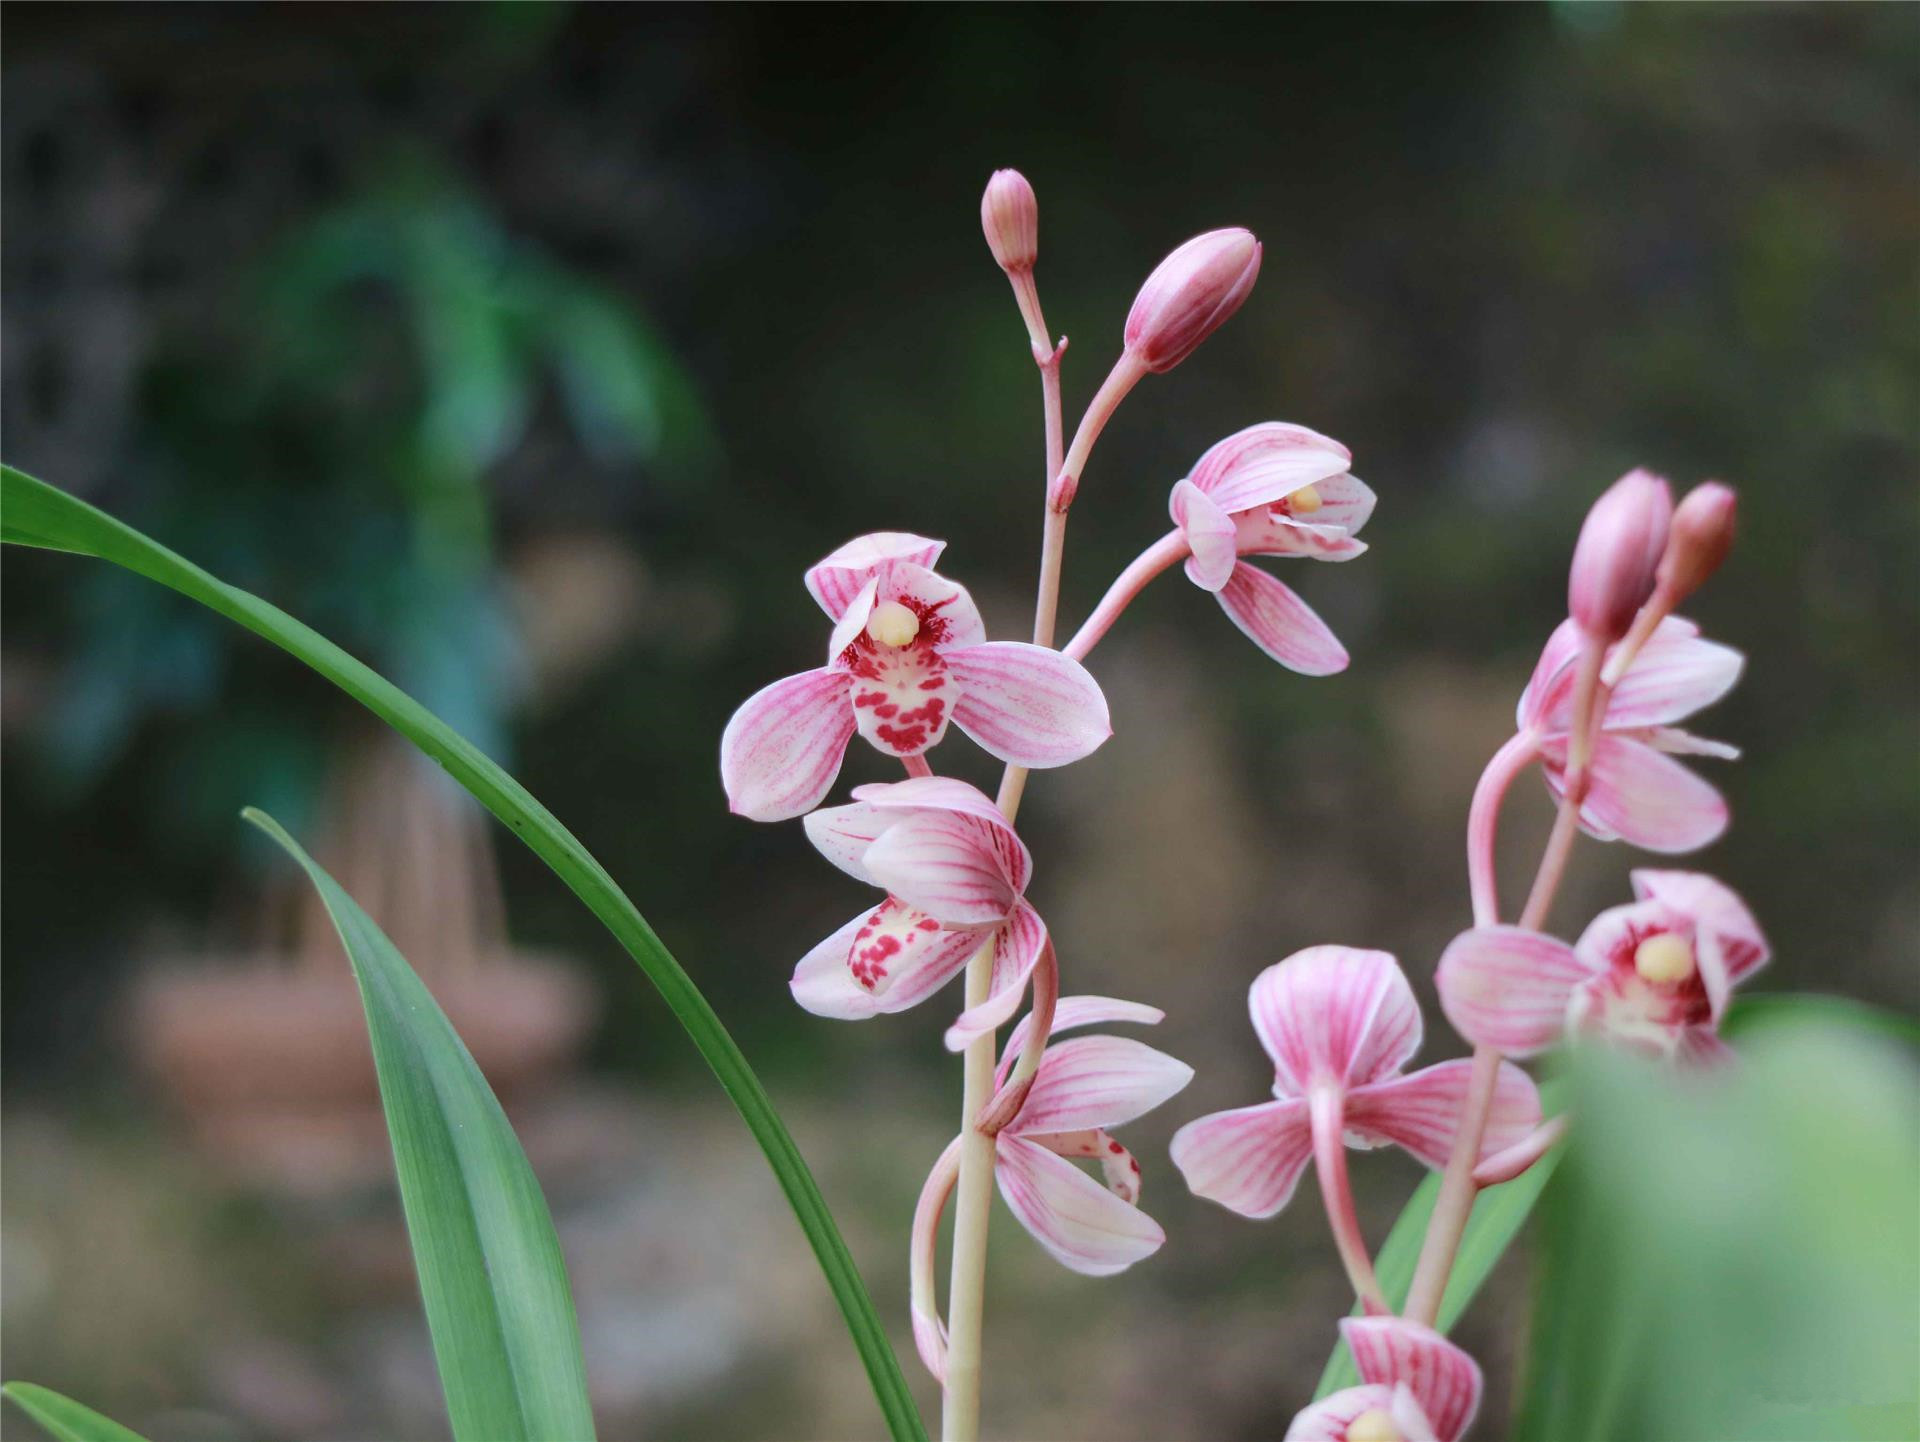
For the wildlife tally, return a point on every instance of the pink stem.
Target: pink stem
(929, 1334)
(1011, 1097)
(1566, 825)
(1327, 1109)
(1127, 585)
(1483, 823)
(916, 765)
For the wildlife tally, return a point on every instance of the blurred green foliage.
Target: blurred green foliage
(1734, 1255)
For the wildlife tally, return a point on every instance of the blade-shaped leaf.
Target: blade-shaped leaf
(65, 1418)
(33, 513)
(489, 1264)
(1497, 1217)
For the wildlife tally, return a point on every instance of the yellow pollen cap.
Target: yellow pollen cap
(892, 624)
(1373, 1425)
(1304, 502)
(1663, 959)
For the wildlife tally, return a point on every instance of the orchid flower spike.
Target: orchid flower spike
(1190, 295)
(1618, 552)
(955, 875)
(1655, 975)
(1084, 1088)
(1637, 793)
(908, 654)
(1416, 1386)
(1273, 489)
(1340, 1025)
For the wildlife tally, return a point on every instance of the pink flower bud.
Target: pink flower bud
(1190, 294)
(1618, 552)
(1010, 216)
(1699, 540)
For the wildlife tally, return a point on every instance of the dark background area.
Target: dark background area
(1510, 252)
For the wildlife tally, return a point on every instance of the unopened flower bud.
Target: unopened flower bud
(1190, 294)
(1010, 216)
(1701, 536)
(1618, 552)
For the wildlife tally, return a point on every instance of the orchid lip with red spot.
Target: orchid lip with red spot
(955, 874)
(1654, 975)
(1638, 792)
(1273, 489)
(907, 657)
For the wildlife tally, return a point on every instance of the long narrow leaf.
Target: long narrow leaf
(65, 1418)
(33, 513)
(491, 1274)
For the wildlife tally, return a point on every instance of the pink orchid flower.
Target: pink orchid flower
(1340, 1025)
(1272, 490)
(1084, 1087)
(1416, 1386)
(955, 874)
(1655, 975)
(1639, 794)
(908, 654)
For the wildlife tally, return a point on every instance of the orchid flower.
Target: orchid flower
(1340, 1025)
(1416, 1386)
(908, 654)
(1272, 490)
(1655, 975)
(1638, 793)
(955, 874)
(1084, 1087)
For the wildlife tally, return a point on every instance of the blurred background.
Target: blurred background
(533, 352)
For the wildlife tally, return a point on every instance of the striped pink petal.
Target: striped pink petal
(1650, 800)
(1249, 1160)
(1544, 700)
(835, 581)
(1393, 1352)
(1510, 1161)
(945, 793)
(1280, 623)
(1334, 1013)
(1209, 533)
(884, 960)
(1508, 988)
(1027, 704)
(1261, 533)
(1674, 675)
(1018, 947)
(1715, 908)
(947, 614)
(1421, 1111)
(1329, 1419)
(1098, 1081)
(1076, 1011)
(842, 834)
(853, 620)
(944, 864)
(1700, 1047)
(1264, 462)
(1085, 1226)
(783, 747)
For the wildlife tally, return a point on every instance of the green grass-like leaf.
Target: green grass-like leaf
(33, 513)
(491, 1274)
(65, 1418)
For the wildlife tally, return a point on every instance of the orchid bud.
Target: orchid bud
(1010, 216)
(1618, 553)
(1189, 295)
(1699, 540)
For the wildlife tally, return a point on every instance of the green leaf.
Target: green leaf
(491, 1274)
(33, 513)
(1734, 1255)
(65, 1418)
(1498, 1215)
